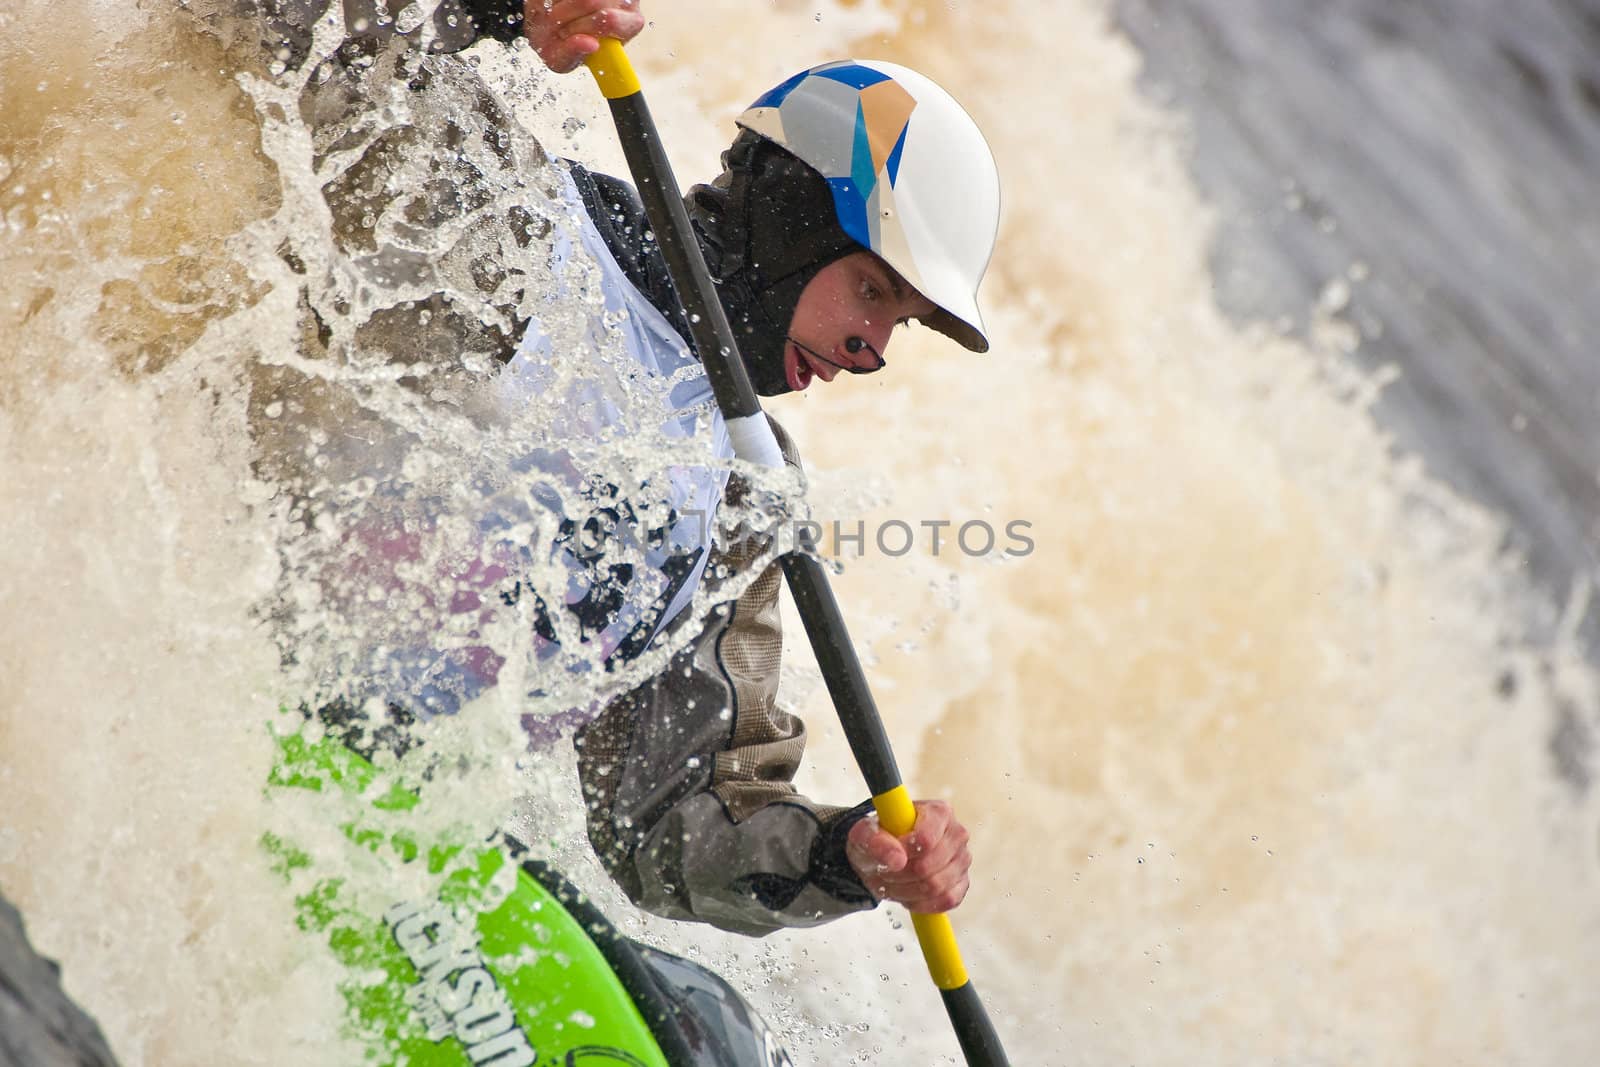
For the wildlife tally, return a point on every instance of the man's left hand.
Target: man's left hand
(563, 32)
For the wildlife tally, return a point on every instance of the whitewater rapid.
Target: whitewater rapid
(1253, 739)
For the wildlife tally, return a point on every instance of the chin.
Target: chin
(767, 376)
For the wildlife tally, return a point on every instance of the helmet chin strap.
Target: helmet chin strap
(851, 345)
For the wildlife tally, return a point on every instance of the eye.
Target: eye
(870, 291)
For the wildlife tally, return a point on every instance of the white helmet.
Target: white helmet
(912, 177)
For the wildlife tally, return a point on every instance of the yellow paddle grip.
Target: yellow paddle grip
(937, 937)
(612, 70)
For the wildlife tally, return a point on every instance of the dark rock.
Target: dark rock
(39, 1025)
(1451, 147)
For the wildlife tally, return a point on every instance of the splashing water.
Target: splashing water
(1251, 740)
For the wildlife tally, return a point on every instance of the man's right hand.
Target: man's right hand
(565, 32)
(927, 870)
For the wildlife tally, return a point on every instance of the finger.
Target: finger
(888, 851)
(555, 32)
(885, 850)
(937, 893)
(922, 876)
(592, 17)
(927, 858)
(932, 817)
(567, 56)
(942, 898)
(938, 836)
(564, 49)
(933, 870)
(623, 25)
(561, 12)
(550, 14)
(874, 849)
(563, 56)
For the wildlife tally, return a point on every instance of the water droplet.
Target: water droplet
(1335, 296)
(410, 18)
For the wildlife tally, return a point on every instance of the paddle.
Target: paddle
(808, 581)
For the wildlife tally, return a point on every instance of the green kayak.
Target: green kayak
(508, 964)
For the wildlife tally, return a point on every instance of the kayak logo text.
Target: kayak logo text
(471, 1008)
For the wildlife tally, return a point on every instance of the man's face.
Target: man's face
(857, 296)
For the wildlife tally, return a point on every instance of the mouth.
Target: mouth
(797, 369)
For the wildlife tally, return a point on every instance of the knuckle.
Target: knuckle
(628, 22)
(953, 895)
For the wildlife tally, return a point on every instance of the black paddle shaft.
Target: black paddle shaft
(841, 670)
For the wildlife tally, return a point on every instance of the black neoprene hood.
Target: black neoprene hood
(767, 226)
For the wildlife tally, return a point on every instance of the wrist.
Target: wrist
(830, 866)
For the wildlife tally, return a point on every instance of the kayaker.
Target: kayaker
(857, 196)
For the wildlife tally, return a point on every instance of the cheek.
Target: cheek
(822, 308)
